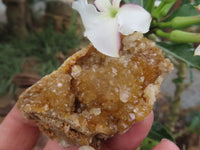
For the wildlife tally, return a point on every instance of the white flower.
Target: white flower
(103, 26)
(197, 51)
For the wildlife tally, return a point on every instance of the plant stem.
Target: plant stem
(162, 34)
(179, 36)
(180, 22)
(175, 104)
(184, 37)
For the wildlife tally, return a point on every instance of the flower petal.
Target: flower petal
(101, 30)
(116, 3)
(102, 5)
(197, 51)
(104, 36)
(87, 11)
(132, 17)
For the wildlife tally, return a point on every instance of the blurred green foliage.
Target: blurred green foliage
(43, 46)
(148, 144)
(194, 122)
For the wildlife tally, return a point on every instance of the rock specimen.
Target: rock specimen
(92, 97)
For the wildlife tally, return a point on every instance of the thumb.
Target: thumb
(166, 145)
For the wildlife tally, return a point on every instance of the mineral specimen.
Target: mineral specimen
(92, 97)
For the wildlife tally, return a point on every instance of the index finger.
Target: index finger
(17, 133)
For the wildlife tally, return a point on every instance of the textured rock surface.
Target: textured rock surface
(92, 97)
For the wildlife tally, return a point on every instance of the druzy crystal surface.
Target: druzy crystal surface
(92, 97)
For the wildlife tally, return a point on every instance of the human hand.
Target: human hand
(17, 133)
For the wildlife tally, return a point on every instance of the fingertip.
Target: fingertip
(166, 145)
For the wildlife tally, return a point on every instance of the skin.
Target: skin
(20, 134)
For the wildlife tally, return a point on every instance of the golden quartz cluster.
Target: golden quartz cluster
(92, 97)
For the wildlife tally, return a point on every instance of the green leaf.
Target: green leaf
(185, 10)
(148, 144)
(195, 123)
(163, 9)
(183, 52)
(158, 132)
